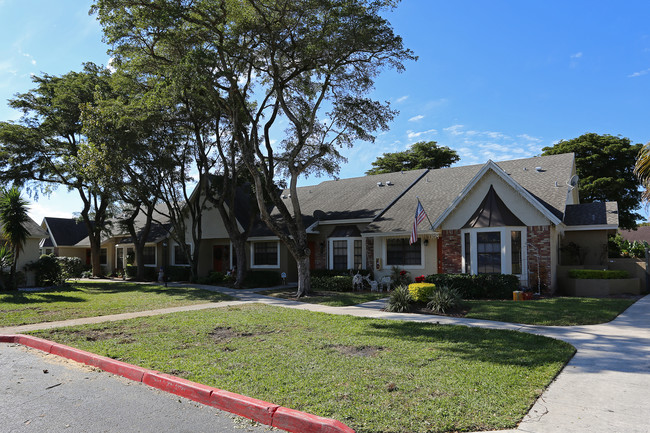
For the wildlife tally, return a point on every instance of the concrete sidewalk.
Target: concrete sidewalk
(605, 388)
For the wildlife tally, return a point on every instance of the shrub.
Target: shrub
(482, 286)
(177, 273)
(595, 274)
(420, 292)
(400, 300)
(215, 278)
(262, 279)
(338, 272)
(71, 267)
(47, 271)
(337, 283)
(444, 299)
(400, 277)
(150, 272)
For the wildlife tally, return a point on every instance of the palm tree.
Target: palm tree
(13, 217)
(642, 170)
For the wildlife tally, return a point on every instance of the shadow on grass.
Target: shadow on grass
(49, 296)
(477, 344)
(185, 293)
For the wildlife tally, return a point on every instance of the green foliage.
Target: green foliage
(595, 274)
(150, 273)
(13, 218)
(482, 286)
(420, 292)
(215, 278)
(336, 283)
(444, 299)
(177, 273)
(47, 270)
(262, 279)
(336, 272)
(71, 267)
(605, 165)
(400, 277)
(618, 247)
(423, 154)
(400, 300)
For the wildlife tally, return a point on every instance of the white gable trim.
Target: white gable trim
(490, 165)
(49, 232)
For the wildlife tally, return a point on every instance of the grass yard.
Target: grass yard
(550, 311)
(374, 375)
(95, 299)
(333, 299)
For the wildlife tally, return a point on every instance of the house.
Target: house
(67, 237)
(512, 217)
(30, 252)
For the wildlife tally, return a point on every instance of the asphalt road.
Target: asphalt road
(44, 393)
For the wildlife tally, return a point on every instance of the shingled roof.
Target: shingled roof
(587, 214)
(64, 232)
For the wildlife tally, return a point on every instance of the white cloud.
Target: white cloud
(639, 73)
(494, 146)
(401, 99)
(529, 138)
(454, 129)
(412, 134)
(416, 118)
(576, 55)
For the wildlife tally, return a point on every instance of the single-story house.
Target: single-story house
(30, 252)
(511, 217)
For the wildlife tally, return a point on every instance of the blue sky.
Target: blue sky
(494, 80)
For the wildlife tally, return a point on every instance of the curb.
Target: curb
(258, 410)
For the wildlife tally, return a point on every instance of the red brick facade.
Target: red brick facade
(451, 252)
(539, 244)
(320, 255)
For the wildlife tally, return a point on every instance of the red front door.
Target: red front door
(220, 258)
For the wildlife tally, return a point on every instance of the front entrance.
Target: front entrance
(220, 258)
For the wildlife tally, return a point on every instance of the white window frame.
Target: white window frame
(155, 256)
(350, 252)
(384, 258)
(252, 255)
(506, 249)
(189, 259)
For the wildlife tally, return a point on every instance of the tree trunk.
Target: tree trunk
(239, 247)
(304, 282)
(13, 281)
(95, 259)
(139, 260)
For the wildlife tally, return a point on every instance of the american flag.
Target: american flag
(419, 217)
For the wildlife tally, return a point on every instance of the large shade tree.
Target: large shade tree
(605, 166)
(46, 147)
(290, 77)
(423, 154)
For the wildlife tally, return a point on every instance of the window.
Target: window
(180, 258)
(400, 253)
(340, 255)
(103, 256)
(358, 254)
(120, 258)
(468, 254)
(149, 256)
(488, 252)
(515, 248)
(265, 254)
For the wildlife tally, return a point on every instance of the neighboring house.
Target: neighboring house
(640, 234)
(511, 217)
(68, 237)
(30, 252)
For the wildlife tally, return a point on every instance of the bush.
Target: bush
(262, 279)
(71, 267)
(595, 274)
(618, 247)
(444, 299)
(420, 292)
(482, 286)
(177, 273)
(150, 272)
(338, 272)
(400, 300)
(47, 271)
(215, 278)
(337, 283)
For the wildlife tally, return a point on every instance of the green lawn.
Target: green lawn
(333, 299)
(374, 375)
(550, 311)
(95, 299)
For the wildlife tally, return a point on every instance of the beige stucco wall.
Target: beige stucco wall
(593, 247)
(211, 224)
(71, 252)
(430, 258)
(29, 254)
(525, 211)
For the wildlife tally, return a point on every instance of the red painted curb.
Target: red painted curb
(296, 421)
(258, 410)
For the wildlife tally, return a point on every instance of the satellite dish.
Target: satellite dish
(573, 182)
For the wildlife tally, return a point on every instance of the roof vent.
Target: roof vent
(556, 184)
(284, 196)
(525, 169)
(389, 183)
(538, 169)
(380, 184)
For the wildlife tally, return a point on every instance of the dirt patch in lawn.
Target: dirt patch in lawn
(361, 351)
(99, 335)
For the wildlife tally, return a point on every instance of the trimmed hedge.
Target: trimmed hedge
(420, 292)
(482, 286)
(595, 274)
(215, 278)
(336, 283)
(150, 273)
(262, 279)
(337, 272)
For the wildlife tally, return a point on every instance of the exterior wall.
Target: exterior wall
(539, 258)
(451, 251)
(592, 244)
(206, 259)
(376, 250)
(29, 254)
(525, 211)
(71, 252)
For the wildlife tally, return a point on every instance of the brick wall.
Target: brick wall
(320, 257)
(451, 252)
(539, 242)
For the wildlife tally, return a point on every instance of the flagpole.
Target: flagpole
(425, 212)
